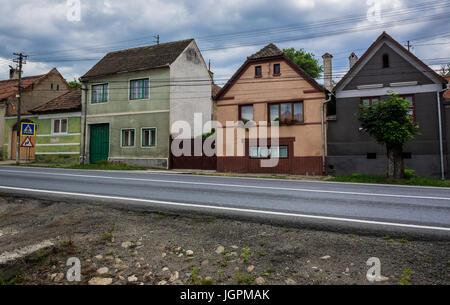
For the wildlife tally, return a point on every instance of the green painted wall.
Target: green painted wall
(48, 146)
(122, 113)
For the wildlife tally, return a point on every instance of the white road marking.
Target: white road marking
(232, 185)
(192, 174)
(251, 211)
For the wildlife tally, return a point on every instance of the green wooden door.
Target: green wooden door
(99, 143)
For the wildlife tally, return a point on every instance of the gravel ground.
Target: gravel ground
(128, 247)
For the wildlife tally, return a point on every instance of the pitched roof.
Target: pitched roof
(10, 87)
(70, 101)
(270, 51)
(447, 93)
(368, 51)
(141, 58)
(215, 89)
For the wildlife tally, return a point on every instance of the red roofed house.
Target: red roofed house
(37, 91)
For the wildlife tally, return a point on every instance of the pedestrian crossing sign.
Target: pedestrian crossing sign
(28, 129)
(27, 143)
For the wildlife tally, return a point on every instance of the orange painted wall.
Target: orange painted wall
(259, 91)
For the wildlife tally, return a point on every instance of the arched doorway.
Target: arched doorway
(26, 153)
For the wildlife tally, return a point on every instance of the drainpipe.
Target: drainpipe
(441, 143)
(85, 89)
(323, 132)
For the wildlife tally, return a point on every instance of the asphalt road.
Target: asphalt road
(422, 211)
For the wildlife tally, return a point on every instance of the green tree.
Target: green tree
(306, 61)
(74, 84)
(392, 125)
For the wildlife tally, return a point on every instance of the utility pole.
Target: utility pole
(409, 45)
(20, 61)
(156, 39)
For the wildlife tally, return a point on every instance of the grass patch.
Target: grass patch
(406, 276)
(16, 280)
(410, 179)
(105, 165)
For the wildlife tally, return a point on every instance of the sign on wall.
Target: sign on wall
(28, 129)
(27, 143)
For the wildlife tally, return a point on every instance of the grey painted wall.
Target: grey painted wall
(348, 147)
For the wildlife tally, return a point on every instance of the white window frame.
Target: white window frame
(156, 137)
(53, 126)
(149, 88)
(121, 137)
(91, 102)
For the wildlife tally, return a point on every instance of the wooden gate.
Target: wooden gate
(191, 161)
(26, 153)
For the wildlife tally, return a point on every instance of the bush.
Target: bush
(409, 174)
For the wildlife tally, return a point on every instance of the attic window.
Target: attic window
(385, 61)
(258, 71)
(276, 69)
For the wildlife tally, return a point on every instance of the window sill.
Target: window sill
(258, 76)
(276, 75)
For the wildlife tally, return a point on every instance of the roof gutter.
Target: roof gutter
(324, 169)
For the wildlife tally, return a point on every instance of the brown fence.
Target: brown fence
(191, 161)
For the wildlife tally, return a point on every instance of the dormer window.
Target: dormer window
(385, 61)
(258, 71)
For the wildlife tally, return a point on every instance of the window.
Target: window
(264, 152)
(246, 113)
(59, 126)
(370, 101)
(412, 106)
(139, 89)
(99, 93)
(407, 155)
(371, 156)
(385, 61)
(51, 86)
(276, 69)
(258, 71)
(127, 137)
(148, 137)
(286, 112)
(57, 87)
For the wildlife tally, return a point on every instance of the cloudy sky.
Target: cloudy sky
(53, 34)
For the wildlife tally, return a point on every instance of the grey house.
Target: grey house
(386, 68)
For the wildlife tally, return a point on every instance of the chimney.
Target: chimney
(13, 73)
(352, 59)
(327, 71)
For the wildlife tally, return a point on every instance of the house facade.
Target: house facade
(37, 90)
(386, 68)
(270, 90)
(132, 98)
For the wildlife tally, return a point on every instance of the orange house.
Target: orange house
(270, 90)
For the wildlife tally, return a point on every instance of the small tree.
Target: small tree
(74, 84)
(391, 124)
(306, 61)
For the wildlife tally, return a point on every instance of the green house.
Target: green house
(58, 130)
(131, 98)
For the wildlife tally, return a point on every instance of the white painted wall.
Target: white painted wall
(190, 90)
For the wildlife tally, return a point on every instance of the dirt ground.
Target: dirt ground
(116, 246)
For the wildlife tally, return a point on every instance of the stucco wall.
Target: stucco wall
(120, 112)
(190, 89)
(289, 86)
(51, 148)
